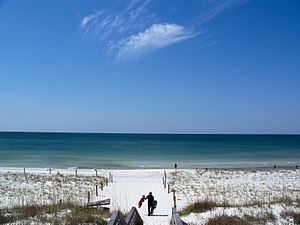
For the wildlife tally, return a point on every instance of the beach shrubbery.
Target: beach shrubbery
(3, 219)
(295, 216)
(225, 220)
(245, 220)
(62, 213)
(198, 207)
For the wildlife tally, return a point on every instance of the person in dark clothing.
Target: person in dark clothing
(150, 199)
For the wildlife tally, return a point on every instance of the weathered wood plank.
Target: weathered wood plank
(99, 203)
(176, 218)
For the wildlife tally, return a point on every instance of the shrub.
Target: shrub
(3, 218)
(296, 218)
(294, 215)
(61, 213)
(198, 207)
(30, 211)
(246, 220)
(225, 220)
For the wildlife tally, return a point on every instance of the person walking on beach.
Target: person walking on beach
(150, 199)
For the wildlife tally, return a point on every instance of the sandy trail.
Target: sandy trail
(126, 190)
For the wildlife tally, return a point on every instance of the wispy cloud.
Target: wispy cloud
(214, 8)
(109, 24)
(136, 28)
(155, 37)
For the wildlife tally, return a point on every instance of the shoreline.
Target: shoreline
(203, 167)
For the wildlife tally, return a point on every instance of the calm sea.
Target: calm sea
(131, 151)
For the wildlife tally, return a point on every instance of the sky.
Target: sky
(150, 66)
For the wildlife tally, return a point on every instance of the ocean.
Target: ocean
(139, 151)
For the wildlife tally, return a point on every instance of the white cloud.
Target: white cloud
(215, 7)
(86, 20)
(155, 37)
(110, 24)
(132, 28)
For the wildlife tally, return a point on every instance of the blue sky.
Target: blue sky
(172, 66)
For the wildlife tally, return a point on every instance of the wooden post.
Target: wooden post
(96, 190)
(111, 177)
(76, 173)
(101, 186)
(25, 174)
(168, 188)
(106, 181)
(89, 196)
(174, 198)
(49, 170)
(96, 172)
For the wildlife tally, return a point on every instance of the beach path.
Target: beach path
(127, 188)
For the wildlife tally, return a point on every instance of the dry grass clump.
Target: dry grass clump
(198, 207)
(246, 220)
(295, 216)
(261, 217)
(3, 218)
(225, 220)
(61, 213)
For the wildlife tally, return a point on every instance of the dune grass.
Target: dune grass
(198, 207)
(62, 213)
(246, 220)
(295, 216)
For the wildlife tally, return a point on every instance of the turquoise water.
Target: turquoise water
(130, 151)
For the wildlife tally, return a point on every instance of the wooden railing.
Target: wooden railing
(99, 203)
(176, 218)
(133, 218)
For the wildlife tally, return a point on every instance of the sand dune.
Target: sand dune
(240, 191)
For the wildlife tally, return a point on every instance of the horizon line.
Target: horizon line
(145, 133)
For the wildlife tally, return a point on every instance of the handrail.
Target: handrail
(176, 218)
(133, 218)
(116, 219)
(100, 203)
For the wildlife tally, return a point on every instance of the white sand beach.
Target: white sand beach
(239, 191)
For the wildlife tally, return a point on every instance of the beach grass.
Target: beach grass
(29, 189)
(198, 207)
(245, 220)
(61, 213)
(292, 215)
